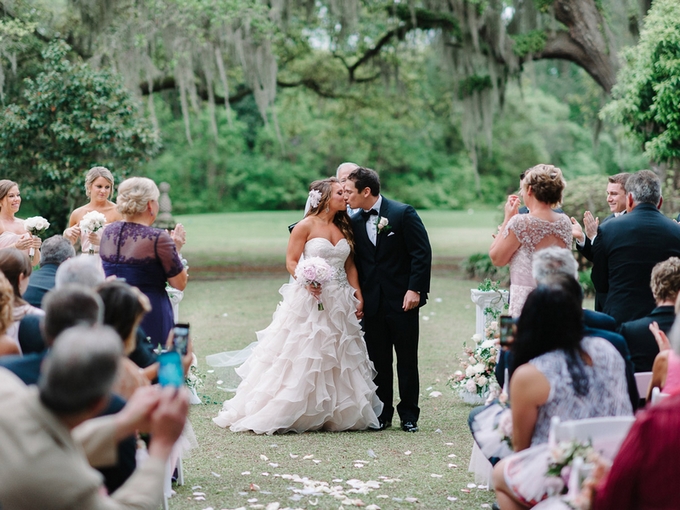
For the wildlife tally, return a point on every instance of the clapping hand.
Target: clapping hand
(179, 235)
(591, 223)
(577, 231)
(660, 337)
(512, 206)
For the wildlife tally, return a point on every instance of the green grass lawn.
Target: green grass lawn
(430, 466)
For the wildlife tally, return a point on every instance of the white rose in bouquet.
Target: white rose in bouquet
(93, 221)
(470, 371)
(36, 226)
(471, 386)
(480, 368)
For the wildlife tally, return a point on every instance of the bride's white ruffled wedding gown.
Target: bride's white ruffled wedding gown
(310, 369)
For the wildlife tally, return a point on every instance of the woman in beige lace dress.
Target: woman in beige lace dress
(521, 235)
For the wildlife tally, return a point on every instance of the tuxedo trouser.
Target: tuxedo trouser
(383, 332)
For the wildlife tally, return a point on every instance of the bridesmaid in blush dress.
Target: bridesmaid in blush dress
(146, 257)
(13, 233)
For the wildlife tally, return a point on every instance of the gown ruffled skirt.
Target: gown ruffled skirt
(309, 369)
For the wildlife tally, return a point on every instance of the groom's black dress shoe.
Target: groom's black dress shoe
(409, 426)
(384, 424)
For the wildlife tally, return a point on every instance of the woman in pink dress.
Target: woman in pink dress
(521, 235)
(13, 233)
(98, 188)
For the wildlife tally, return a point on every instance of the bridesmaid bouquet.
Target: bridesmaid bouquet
(314, 271)
(36, 226)
(92, 222)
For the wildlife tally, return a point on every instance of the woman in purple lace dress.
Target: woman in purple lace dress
(521, 235)
(146, 257)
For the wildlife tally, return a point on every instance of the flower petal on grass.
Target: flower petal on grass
(436, 394)
(254, 487)
(264, 458)
(452, 498)
(407, 452)
(244, 473)
(216, 475)
(472, 486)
(307, 457)
(293, 456)
(435, 475)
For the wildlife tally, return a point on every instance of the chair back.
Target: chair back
(642, 380)
(605, 433)
(658, 396)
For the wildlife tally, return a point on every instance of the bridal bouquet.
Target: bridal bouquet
(314, 271)
(92, 222)
(36, 226)
(477, 379)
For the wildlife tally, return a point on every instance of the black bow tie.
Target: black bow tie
(367, 214)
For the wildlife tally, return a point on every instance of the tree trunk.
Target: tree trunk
(588, 41)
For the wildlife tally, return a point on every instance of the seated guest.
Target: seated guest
(557, 372)
(55, 250)
(554, 260)
(665, 284)
(85, 270)
(54, 440)
(8, 345)
(16, 266)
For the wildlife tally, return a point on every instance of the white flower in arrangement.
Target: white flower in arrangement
(479, 368)
(314, 271)
(36, 225)
(471, 386)
(486, 344)
(470, 371)
(472, 360)
(493, 325)
(482, 380)
(92, 221)
(382, 224)
(314, 198)
(477, 338)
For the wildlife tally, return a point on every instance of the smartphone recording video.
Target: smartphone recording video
(507, 330)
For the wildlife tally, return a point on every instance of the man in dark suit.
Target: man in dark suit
(53, 252)
(665, 287)
(626, 250)
(393, 258)
(616, 199)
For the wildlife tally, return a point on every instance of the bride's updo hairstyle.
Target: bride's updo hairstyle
(5, 186)
(95, 173)
(134, 194)
(341, 219)
(546, 182)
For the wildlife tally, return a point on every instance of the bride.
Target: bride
(310, 369)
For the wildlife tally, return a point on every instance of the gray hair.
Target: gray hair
(70, 305)
(134, 194)
(553, 260)
(84, 269)
(345, 167)
(645, 187)
(55, 250)
(80, 369)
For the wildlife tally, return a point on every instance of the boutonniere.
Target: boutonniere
(382, 225)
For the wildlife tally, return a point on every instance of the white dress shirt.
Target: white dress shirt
(371, 223)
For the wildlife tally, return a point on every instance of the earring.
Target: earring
(327, 209)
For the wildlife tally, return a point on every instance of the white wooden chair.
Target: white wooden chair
(605, 433)
(658, 396)
(642, 380)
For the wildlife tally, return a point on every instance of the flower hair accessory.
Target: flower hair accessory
(314, 198)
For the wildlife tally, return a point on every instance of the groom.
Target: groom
(393, 257)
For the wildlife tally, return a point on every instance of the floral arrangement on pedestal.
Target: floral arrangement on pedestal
(476, 381)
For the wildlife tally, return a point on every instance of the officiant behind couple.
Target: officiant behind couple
(310, 369)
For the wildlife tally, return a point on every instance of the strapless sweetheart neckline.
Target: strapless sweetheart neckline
(328, 241)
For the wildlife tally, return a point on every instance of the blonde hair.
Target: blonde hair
(95, 173)
(665, 282)
(5, 186)
(341, 219)
(546, 182)
(6, 304)
(134, 194)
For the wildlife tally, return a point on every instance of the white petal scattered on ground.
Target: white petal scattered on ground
(452, 498)
(483, 487)
(435, 475)
(296, 497)
(448, 444)
(397, 499)
(307, 457)
(371, 454)
(336, 480)
(216, 475)
(411, 500)
(428, 388)
(382, 496)
(264, 458)
(433, 313)
(313, 502)
(242, 493)
(209, 508)
(467, 491)
(467, 307)
(471, 485)
(438, 300)
(273, 446)
(358, 465)
(196, 487)
(486, 505)
(426, 318)
(244, 473)
(254, 487)
(274, 506)
(293, 456)
(220, 382)
(252, 500)
(199, 498)
(361, 461)
(210, 371)
(273, 464)
(407, 452)
(257, 506)
(453, 465)
(199, 494)
(316, 461)
(436, 394)
(265, 474)
(373, 507)
(438, 431)
(452, 455)
(225, 315)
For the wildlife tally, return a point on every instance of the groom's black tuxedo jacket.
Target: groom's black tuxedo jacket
(401, 259)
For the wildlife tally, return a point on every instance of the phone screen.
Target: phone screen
(507, 335)
(170, 371)
(181, 338)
